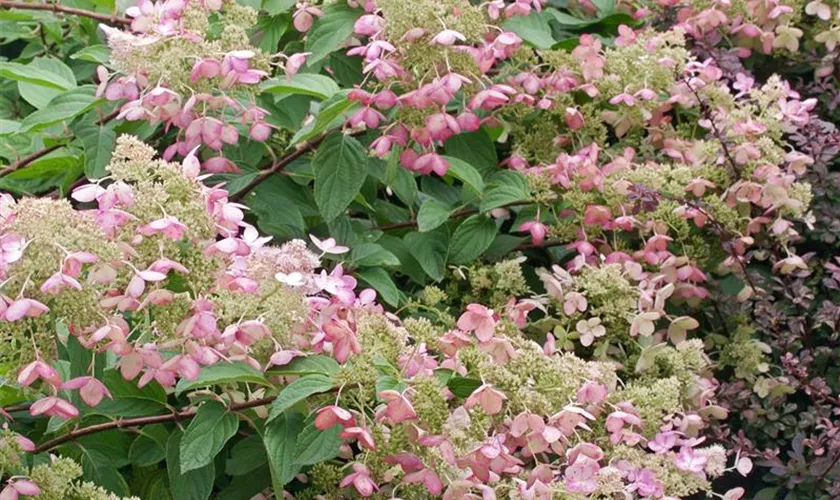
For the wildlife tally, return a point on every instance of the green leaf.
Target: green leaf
(269, 31)
(314, 445)
(34, 74)
(223, 373)
(432, 214)
(604, 6)
(246, 456)
(332, 113)
(381, 281)
(299, 390)
(38, 95)
(471, 239)
(98, 141)
(277, 213)
(340, 166)
(308, 365)
(95, 53)
(206, 435)
(192, 485)
(43, 175)
(130, 400)
(504, 188)
(466, 173)
(319, 86)
(371, 254)
(475, 148)
(274, 7)
(330, 31)
(63, 107)
(150, 446)
(532, 28)
(568, 20)
(280, 440)
(430, 249)
(462, 386)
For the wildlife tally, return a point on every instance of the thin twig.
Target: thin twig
(277, 166)
(136, 422)
(45, 151)
(105, 18)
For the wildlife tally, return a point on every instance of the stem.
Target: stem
(55, 7)
(544, 244)
(135, 422)
(26, 160)
(277, 166)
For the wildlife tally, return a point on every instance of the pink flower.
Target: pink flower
(430, 162)
(328, 416)
(24, 308)
(369, 25)
(16, 487)
(360, 479)
(54, 407)
(38, 369)
(361, 435)
(328, 245)
(428, 477)
(489, 399)
(664, 441)
(591, 393)
(589, 330)
(688, 460)
(574, 301)
(170, 227)
(448, 37)
(537, 229)
(90, 389)
(398, 408)
(295, 62)
(205, 68)
(480, 320)
(582, 476)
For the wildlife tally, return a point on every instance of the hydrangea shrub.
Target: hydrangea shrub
(446, 249)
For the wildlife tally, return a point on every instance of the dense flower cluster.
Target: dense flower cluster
(652, 311)
(172, 70)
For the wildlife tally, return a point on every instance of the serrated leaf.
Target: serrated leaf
(95, 53)
(466, 173)
(99, 142)
(332, 113)
(371, 254)
(43, 175)
(330, 31)
(33, 74)
(192, 485)
(280, 440)
(462, 387)
(319, 86)
(149, 447)
(340, 167)
(298, 391)
(131, 400)
(381, 281)
(430, 249)
(246, 456)
(206, 435)
(274, 7)
(39, 95)
(223, 373)
(308, 365)
(504, 188)
(62, 108)
(532, 28)
(475, 148)
(432, 214)
(314, 445)
(471, 239)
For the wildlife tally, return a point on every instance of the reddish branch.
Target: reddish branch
(139, 421)
(55, 7)
(277, 166)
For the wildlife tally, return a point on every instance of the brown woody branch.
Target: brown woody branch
(58, 8)
(26, 160)
(277, 166)
(140, 421)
